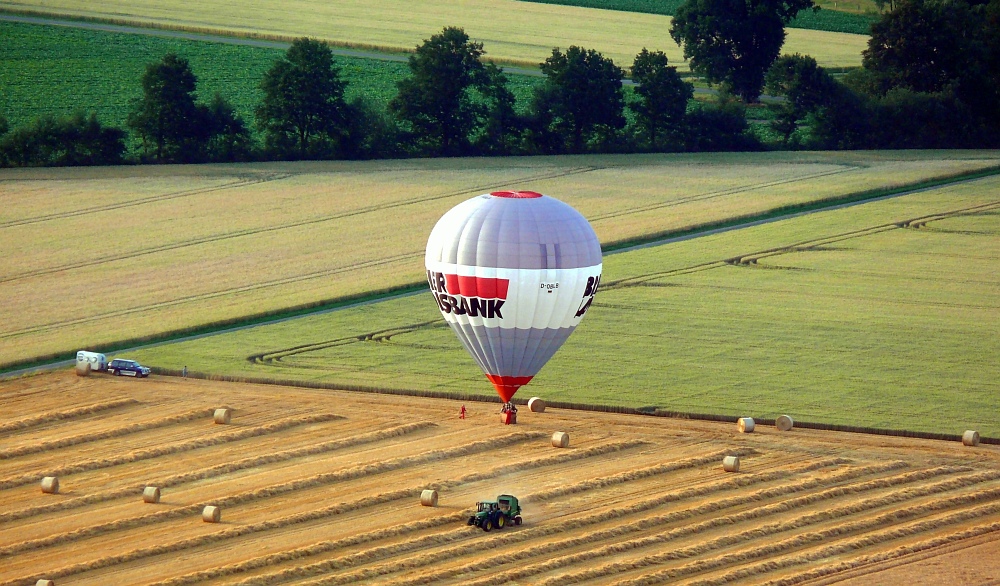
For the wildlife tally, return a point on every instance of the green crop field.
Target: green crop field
(161, 249)
(54, 70)
(512, 31)
(841, 17)
(885, 314)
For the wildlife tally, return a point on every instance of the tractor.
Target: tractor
(498, 513)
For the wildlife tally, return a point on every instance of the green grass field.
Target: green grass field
(54, 70)
(829, 18)
(885, 314)
(512, 32)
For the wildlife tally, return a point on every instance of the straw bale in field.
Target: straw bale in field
(745, 424)
(82, 369)
(50, 485)
(784, 423)
(429, 498)
(211, 514)
(44, 582)
(560, 439)
(970, 438)
(536, 405)
(151, 494)
(223, 416)
(731, 463)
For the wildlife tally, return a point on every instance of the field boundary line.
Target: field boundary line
(355, 49)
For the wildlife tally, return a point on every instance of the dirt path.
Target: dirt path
(320, 487)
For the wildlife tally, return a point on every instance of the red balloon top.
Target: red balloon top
(516, 194)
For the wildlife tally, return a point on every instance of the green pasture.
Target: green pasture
(56, 70)
(826, 19)
(883, 315)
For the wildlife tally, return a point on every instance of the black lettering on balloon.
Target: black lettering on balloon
(493, 308)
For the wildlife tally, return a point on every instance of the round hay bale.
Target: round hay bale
(970, 438)
(731, 463)
(784, 423)
(429, 498)
(151, 494)
(44, 582)
(223, 416)
(536, 405)
(745, 424)
(82, 369)
(211, 514)
(560, 439)
(50, 485)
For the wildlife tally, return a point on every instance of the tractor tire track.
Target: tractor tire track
(243, 182)
(215, 238)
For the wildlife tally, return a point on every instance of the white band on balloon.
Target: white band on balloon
(513, 298)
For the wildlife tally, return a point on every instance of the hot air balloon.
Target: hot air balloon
(513, 273)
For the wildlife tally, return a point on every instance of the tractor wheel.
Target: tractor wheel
(501, 521)
(517, 520)
(487, 525)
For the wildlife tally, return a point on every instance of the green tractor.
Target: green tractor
(498, 513)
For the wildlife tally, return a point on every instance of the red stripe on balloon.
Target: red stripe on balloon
(516, 194)
(482, 287)
(506, 386)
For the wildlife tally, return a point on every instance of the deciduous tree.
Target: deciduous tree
(663, 97)
(582, 99)
(805, 85)
(734, 42)
(303, 113)
(172, 128)
(437, 102)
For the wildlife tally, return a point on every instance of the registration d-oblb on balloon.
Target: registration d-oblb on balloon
(513, 273)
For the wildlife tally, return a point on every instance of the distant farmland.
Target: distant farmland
(881, 315)
(172, 248)
(515, 32)
(56, 70)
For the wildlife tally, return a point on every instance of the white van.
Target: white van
(98, 361)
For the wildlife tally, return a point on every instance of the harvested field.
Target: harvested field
(326, 490)
(210, 243)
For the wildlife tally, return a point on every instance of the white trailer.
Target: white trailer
(97, 361)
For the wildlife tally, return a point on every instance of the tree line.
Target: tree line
(930, 78)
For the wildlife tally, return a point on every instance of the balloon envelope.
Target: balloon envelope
(513, 273)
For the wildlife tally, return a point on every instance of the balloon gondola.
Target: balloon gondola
(513, 273)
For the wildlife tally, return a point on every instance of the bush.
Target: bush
(78, 139)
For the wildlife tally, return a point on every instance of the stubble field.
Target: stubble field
(169, 248)
(521, 33)
(322, 487)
